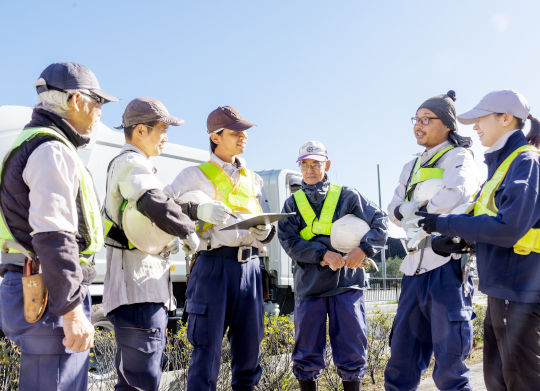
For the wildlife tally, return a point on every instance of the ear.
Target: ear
(215, 138)
(507, 119)
(327, 167)
(75, 102)
(140, 130)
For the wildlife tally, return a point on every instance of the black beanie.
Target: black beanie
(443, 107)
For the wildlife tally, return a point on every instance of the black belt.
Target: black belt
(241, 254)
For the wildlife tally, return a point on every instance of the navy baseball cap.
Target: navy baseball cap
(64, 76)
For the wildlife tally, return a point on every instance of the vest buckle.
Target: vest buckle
(244, 253)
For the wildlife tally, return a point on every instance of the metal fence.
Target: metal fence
(383, 289)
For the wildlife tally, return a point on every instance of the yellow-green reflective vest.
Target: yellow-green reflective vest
(485, 203)
(240, 196)
(323, 224)
(87, 194)
(421, 174)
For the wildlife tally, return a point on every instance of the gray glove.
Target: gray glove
(213, 212)
(190, 244)
(261, 231)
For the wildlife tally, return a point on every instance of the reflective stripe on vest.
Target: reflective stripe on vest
(485, 204)
(89, 200)
(240, 197)
(323, 224)
(421, 174)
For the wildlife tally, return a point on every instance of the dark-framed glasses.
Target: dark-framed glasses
(422, 120)
(95, 97)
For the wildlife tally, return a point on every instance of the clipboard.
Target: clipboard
(263, 218)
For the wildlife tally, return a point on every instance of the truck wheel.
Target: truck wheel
(101, 365)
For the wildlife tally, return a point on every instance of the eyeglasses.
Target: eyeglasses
(98, 99)
(314, 166)
(422, 120)
(158, 129)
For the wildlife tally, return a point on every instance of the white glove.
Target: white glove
(213, 212)
(408, 210)
(261, 231)
(190, 244)
(415, 236)
(172, 248)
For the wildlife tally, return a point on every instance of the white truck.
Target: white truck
(106, 143)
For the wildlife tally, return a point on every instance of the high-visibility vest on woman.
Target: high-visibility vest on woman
(87, 195)
(485, 203)
(323, 224)
(240, 196)
(428, 171)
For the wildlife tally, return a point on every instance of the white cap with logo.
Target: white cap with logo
(314, 150)
(503, 101)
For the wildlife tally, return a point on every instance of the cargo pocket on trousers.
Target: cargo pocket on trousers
(197, 331)
(462, 325)
(143, 340)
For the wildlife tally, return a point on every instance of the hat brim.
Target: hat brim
(470, 116)
(240, 125)
(319, 158)
(170, 120)
(104, 95)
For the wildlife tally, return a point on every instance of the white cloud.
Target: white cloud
(500, 22)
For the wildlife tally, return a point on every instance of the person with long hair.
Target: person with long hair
(505, 224)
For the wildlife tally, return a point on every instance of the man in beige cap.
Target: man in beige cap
(138, 291)
(227, 261)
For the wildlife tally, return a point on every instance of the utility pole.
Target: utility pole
(383, 253)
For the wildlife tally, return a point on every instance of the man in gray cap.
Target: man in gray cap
(227, 260)
(137, 289)
(50, 219)
(435, 309)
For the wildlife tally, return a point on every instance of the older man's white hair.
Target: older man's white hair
(56, 101)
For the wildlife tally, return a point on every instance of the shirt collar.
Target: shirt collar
(501, 142)
(133, 148)
(428, 154)
(238, 163)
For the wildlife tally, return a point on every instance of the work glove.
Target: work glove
(428, 221)
(407, 209)
(261, 231)
(190, 244)
(172, 248)
(213, 212)
(446, 245)
(415, 236)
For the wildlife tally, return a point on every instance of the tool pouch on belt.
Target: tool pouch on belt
(34, 291)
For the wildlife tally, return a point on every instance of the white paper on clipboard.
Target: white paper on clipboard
(262, 218)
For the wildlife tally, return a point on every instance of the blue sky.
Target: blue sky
(347, 73)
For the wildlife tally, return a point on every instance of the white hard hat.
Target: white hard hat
(347, 232)
(196, 196)
(463, 209)
(142, 232)
(426, 190)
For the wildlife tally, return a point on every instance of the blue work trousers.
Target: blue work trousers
(140, 332)
(433, 317)
(223, 293)
(347, 329)
(46, 365)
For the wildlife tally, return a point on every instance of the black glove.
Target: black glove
(429, 221)
(446, 245)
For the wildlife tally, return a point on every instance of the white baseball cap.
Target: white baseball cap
(314, 150)
(503, 101)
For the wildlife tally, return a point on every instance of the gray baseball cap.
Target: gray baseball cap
(314, 150)
(503, 101)
(144, 110)
(64, 76)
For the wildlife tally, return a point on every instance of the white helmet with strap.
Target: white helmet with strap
(347, 232)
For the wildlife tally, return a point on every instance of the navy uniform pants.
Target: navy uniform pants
(512, 345)
(140, 332)
(46, 365)
(433, 317)
(223, 293)
(347, 330)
